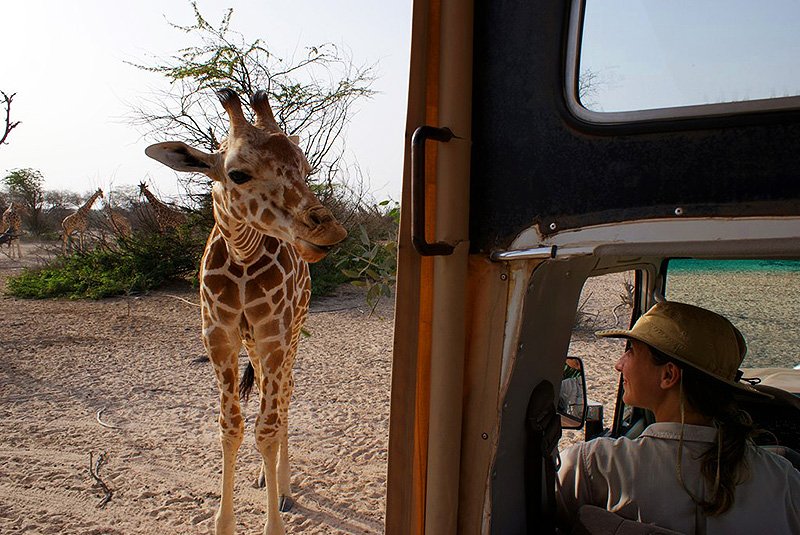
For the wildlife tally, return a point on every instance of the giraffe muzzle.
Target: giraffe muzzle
(325, 249)
(311, 252)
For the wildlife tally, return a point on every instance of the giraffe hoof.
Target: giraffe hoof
(261, 482)
(285, 503)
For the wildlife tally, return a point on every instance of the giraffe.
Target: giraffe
(254, 282)
(119, 223)
(167, 217)
(78, 221)
(12, 222)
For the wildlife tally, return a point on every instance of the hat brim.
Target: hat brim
(625, 333)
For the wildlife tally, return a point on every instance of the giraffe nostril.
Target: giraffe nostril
(317, 216)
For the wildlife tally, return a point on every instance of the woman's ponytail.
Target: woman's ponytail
(724, 465)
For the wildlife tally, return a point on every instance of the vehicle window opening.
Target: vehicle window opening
(607, 301)
(761, 297)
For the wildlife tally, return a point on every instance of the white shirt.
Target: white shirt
(638, 480)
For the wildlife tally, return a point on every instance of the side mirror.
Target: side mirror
(572, 401)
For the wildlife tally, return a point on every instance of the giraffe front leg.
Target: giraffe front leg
(224, 357)
(268, 447)
(225, 519)
(270, 429)
(284, 475)
(231, 426)
(285, 500)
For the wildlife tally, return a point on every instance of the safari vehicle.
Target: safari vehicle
(525, 183)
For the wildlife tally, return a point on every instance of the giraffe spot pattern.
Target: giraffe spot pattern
(255, 288)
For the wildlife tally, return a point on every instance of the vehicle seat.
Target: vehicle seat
(636, 429)
(780, 417)
(594, 520)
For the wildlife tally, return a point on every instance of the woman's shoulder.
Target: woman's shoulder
(649, 442)
(601, 448)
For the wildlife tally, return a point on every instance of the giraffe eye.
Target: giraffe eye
(240, 177)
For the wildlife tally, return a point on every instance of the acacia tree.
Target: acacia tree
(10, 125)
(589, 84)
(26, 187)
(311, 97)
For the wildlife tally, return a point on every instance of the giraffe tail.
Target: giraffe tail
(246, 382)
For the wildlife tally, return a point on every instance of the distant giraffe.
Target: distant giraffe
(167, 217)
(12, 222)
(119, 223)
(79, 221)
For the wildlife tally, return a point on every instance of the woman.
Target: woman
(696, 470)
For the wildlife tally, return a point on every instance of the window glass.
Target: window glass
(647, 54)
(762, 298)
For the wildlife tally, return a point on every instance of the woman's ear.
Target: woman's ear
(670, 376)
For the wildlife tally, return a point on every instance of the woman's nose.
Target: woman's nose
(618, 364)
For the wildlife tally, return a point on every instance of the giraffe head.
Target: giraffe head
(259, 178)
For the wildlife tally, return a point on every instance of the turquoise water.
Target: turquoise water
(691, 264)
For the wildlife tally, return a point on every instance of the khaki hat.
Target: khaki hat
(695, 336)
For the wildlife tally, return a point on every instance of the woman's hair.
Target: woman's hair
(726, 461)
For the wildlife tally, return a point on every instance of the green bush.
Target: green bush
(132, 265)
(326, 275)
(370, 260)
(149, 260)
(367, 257)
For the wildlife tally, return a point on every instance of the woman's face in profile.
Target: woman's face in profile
(641, 376)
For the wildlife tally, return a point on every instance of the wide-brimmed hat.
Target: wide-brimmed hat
(694, 336)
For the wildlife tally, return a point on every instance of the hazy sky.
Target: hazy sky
(652, 54)
(66, 63)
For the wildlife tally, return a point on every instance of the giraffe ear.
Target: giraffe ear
(181, 157)
(295, 139)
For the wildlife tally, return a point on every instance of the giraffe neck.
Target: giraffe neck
(152, 198)
(244, 242)
(11, 219)
(83, 210)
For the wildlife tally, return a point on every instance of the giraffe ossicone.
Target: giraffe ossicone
(254, 281)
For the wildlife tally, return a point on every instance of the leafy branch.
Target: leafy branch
(312, 97)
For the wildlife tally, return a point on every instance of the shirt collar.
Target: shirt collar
(672, 431)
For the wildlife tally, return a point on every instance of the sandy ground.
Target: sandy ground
(134, 361)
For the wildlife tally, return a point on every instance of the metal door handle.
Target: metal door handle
(422, 134)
